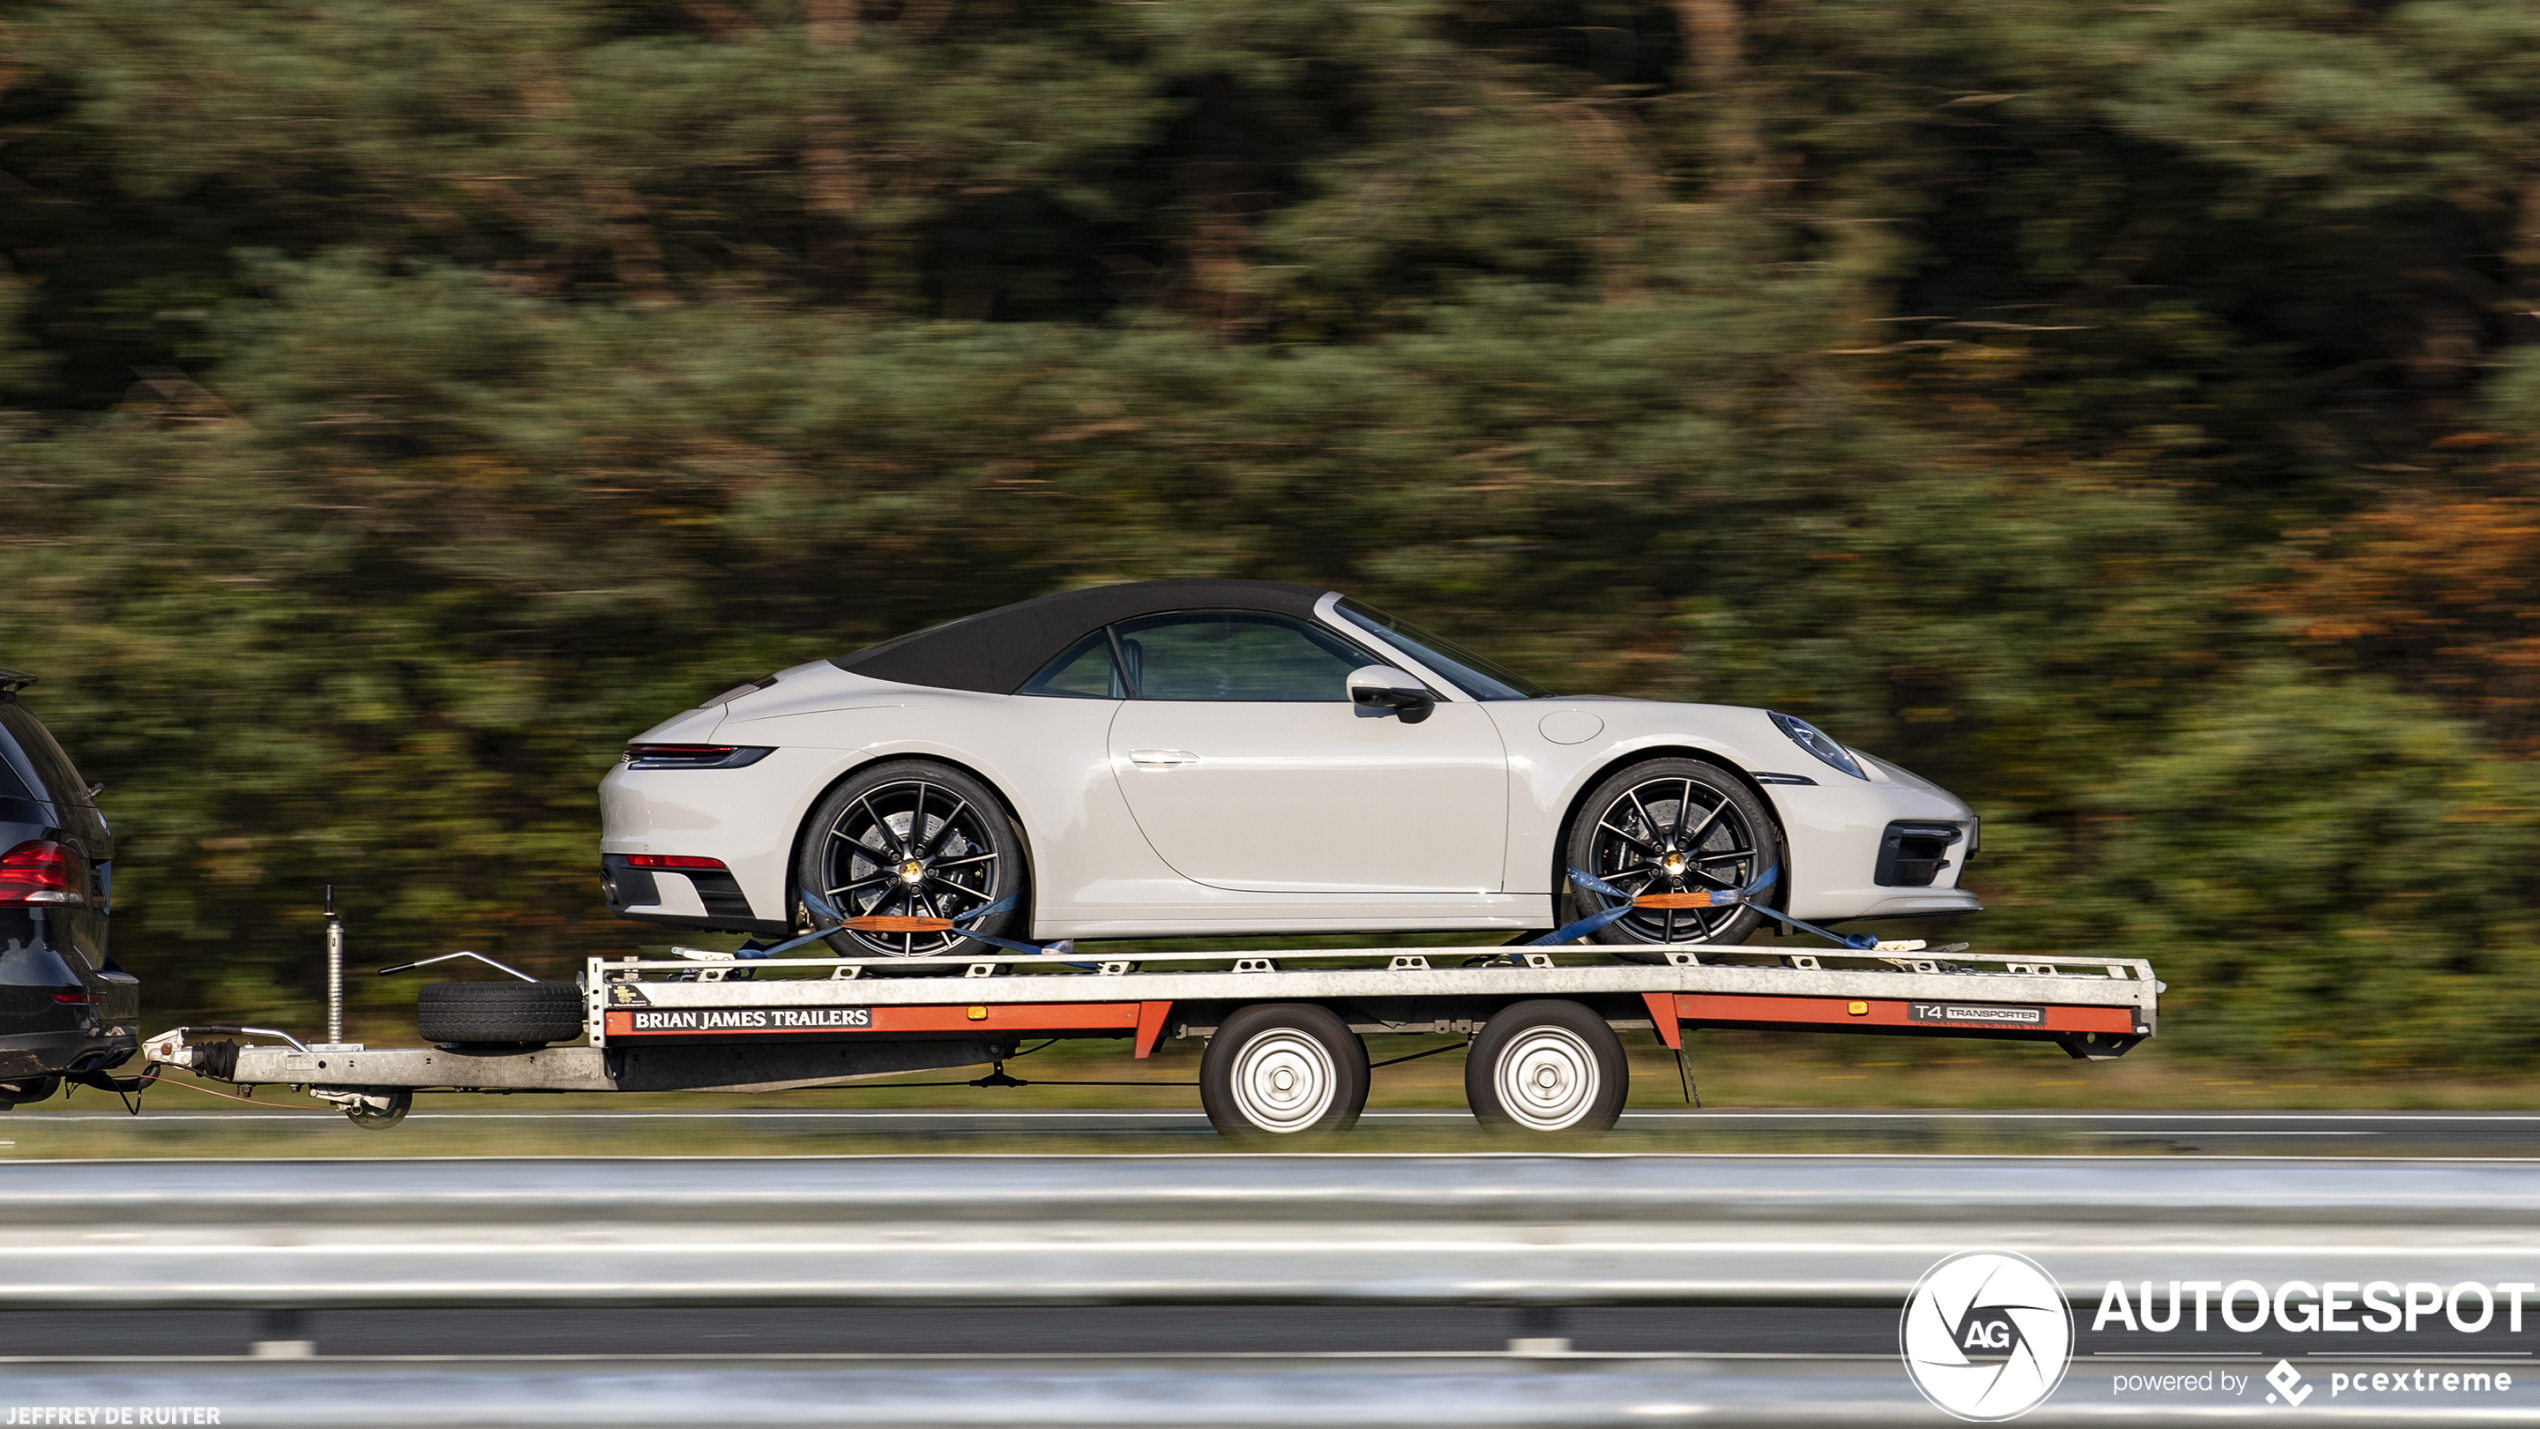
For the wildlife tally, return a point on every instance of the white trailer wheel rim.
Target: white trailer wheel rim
(1547, 1079)
(1284, 1080)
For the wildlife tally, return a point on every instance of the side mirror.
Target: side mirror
(1382, 689)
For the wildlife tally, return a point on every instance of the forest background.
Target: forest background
(2127, 415)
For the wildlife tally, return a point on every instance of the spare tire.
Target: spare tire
(505, 1013)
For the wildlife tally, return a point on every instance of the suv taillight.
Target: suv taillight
(40, 872)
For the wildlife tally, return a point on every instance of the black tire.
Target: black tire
(507, 1014)
(1633, 831)
(966, 853)
(1547, 1068)
(1283, 1073)
(400, 1101)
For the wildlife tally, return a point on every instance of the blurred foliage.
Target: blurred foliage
(2125, 415)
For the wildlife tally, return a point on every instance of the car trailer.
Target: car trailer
(1284, 1055)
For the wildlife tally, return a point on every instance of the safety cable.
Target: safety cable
(991, 1080)
(126, 1090)
(997, 1078)
(158, 1081)
(1416, 1056)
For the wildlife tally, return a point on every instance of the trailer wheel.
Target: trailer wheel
(1287, 1071)
(1547, 1068)
(381, 1112)
(510, 1014)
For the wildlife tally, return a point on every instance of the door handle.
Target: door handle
(1161, 758)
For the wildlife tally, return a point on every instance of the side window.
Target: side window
(1083, 671)
(13, 785)
(54, 777)
(1236, 655)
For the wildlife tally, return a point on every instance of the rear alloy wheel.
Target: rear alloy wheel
(1547, 1068)
(901, 849)
(1283, 1072)
(1672, 826)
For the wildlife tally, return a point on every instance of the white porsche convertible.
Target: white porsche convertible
(1195, 758)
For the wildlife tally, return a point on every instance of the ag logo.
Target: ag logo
(1987, 1335)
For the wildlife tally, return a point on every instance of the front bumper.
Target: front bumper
(1890, 846)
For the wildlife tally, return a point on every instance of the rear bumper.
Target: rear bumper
(46, 1054)
(705, 900)
(58, 1014)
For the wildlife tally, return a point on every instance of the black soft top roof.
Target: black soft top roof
(997, 650)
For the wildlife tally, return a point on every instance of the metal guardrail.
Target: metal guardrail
(1515, 1229)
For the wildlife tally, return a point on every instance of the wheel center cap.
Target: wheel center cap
(1674, 863)
(912, 872)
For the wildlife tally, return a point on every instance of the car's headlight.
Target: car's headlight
(1808, 737)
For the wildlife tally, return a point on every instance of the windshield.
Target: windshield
(1477, 677)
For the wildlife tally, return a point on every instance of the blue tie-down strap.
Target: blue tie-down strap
(1698, 898)
(833, 921)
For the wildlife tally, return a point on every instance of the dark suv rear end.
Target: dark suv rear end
(66, 1010)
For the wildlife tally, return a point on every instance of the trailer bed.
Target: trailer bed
(709, 1022)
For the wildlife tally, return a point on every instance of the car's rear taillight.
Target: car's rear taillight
(75, 999)
(671, 860)
(695, 756)
(42, 873)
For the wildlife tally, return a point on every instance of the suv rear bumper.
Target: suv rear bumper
(57, 1014)
(43, 1054)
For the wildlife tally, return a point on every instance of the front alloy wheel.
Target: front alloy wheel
(1672, 826)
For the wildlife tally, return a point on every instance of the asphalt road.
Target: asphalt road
(2023, 1132)
(593, 1331)
(608, 1331)
(488, 1332)
(1195, 1392)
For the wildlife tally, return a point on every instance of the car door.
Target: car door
(1247, 767)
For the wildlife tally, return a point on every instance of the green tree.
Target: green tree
(2121, 415)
